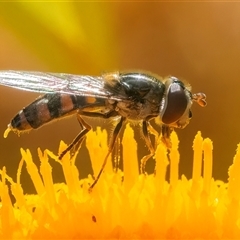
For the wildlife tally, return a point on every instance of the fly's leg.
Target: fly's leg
(145, 126)
(110, 149)
(154, 133)
(165, 138)
(117, 147)
(76, 147)
(99, 115)
(166, 132)
(76, 143)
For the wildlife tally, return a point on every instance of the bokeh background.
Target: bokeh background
(197, 42)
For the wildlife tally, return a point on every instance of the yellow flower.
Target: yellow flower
(140, 207)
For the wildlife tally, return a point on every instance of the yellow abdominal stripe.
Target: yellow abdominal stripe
(140, 207)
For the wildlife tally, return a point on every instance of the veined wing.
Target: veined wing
(55, 82)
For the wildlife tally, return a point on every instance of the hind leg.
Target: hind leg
(77, 141)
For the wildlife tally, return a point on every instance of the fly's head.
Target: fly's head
(175, 110)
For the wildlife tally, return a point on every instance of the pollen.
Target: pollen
(123, 204)
(7, 131)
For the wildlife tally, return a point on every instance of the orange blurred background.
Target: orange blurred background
(197, 42)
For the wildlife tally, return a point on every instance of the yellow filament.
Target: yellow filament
(197, 158)
(33, 172)
(174, 156)
(130, 160)
(207, 175)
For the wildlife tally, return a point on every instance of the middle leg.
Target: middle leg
(110, 149)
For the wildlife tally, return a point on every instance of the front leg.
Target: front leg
(165, 138)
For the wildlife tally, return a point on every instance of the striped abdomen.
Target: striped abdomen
(49, 107)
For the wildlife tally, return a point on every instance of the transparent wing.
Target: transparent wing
(55, 82)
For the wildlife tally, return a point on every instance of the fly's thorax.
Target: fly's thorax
(112, 83)
(135, 86)
(140, 95)
(142, 86)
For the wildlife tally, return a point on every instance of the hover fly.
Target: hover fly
(122, 96)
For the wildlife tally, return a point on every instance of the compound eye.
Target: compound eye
(176, 102)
